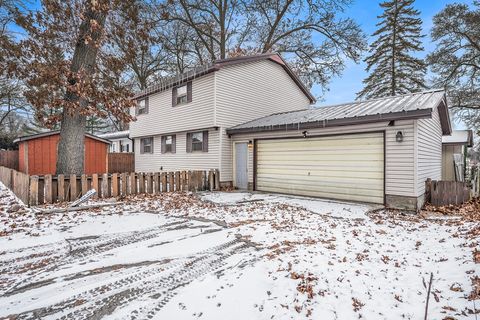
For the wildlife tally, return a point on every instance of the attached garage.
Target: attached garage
(345, 167)
(377, 151)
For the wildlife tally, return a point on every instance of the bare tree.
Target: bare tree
(456, 59)
(61, 63)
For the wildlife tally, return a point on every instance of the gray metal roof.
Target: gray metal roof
(115, 135)
(409, 106)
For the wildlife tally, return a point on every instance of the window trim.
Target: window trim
(189, 144)
(173, 144)
(145, 108)
(142, 145)
(188, 94)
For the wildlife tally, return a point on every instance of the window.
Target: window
(182, 94)
(142, 106)
(168, 144)
(197, 141)
(146, 145)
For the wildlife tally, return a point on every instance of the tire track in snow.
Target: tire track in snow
(158, 281)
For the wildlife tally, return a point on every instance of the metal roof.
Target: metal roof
(460, 137)
(115, 135)
(408, 106)
(200, 71)
(51, 133)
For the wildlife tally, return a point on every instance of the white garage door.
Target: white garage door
(345, 167)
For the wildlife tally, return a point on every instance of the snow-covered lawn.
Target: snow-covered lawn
(234, 256)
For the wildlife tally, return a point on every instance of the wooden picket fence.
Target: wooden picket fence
(442, 193)
(35, 190)
(9, 159)
(121, 162)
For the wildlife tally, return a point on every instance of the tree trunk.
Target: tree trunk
(71, 151)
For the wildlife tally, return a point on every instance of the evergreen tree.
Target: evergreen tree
(392, 67)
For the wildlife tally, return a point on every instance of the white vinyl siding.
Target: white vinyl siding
(399, 156)
(429, 154)
(249, 91)
(163, 118)
(181, 160)
(344, 167)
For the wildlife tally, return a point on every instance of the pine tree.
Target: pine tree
(393, 68)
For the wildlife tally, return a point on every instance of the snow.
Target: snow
(234, 255)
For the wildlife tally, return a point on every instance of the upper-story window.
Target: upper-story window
(182, 94)
(142, 106)
(146, 145)
(169, 144)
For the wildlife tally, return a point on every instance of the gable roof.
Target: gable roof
(409, 106)
(459, 137)
(219, 64)
(51, 133)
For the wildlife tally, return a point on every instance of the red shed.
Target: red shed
(38, 153)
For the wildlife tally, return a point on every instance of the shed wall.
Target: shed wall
(39, 156)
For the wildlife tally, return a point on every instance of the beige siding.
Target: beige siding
(162, 117)
(249, 91)
(181, 160)
(429, 154)
(448, 165)
(346, 167)
(399, 157)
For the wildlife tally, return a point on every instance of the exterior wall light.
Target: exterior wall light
(399, 136)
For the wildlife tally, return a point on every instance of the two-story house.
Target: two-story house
(181, 123)
(250, 118)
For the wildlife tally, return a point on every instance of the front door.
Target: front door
(241, 157)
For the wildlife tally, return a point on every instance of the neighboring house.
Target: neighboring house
(454, 150)
(250, 118)
(38, 153)
(120, 141)
(181, 123)
(378, 151)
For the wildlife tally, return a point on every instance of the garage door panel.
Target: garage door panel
(326, 194)
(347, 167)
(314, 175)
(338, 185)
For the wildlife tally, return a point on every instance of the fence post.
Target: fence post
(133, 183)
(84, 182)
(171, 183)
(156, 182)
(114, 184)
(105, 186)
(95, 184)
(148, 177)
(73, 187)
(48, 189)
(123, 178)
(33, 197)
(141, 182)
(61, 187)
(217, 179)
